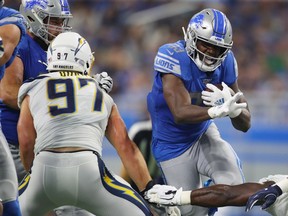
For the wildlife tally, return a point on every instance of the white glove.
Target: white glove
(104, 81)
(173, 211)
(216, 97)
(229, 107)
(1, 48)
(275, 178)
(164, 195)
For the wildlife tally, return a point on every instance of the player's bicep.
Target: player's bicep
(116, 131)
(175, 93)
(11, 36)
(11, 82)
(25, 127)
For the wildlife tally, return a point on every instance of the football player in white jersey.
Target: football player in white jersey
(272, 196)
(63, 119)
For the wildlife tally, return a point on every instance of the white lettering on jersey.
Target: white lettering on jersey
(165, 63)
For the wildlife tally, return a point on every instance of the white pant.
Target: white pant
(79, 179)
(8, 177)
(210, 156)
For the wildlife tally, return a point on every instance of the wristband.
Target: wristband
(235, 113)
(149, 185)
(185, 198)
(212, 113)
(283, 185)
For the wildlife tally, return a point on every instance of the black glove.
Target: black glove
(266, 195)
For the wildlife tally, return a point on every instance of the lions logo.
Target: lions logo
(32, 3)
(197, 21)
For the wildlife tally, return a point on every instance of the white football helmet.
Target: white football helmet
(69, 51)
(213, 27)
(38, 14)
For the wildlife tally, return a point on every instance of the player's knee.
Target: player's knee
(9, 190)
(228, 178)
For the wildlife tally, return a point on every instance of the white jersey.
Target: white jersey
(280, 207)
(69, 96)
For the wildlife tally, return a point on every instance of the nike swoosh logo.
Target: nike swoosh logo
(44, 63)
(171, 53)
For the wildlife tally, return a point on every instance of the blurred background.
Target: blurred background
(125, 35)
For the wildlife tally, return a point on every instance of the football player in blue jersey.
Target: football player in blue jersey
(46, 19)
(12, 30)
(44, 24)
(196, 81)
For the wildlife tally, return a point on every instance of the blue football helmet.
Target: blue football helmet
(213, 27)
(38, 14)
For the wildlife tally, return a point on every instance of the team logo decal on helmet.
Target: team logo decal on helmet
(197, 21)
(32, 3)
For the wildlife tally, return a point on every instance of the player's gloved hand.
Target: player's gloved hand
(173, 211)
(149, 185)
(104, 81)
(228, 107)
(266, 195)
(216, 97)
(1, 48)
(164, 195)
(275, 178)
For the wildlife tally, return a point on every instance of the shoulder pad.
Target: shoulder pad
(169, 58)
(27, 86)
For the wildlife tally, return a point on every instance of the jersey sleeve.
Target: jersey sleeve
(230, 68)
(27, 86)
(167, 61)
(14, 17)
(109, 102)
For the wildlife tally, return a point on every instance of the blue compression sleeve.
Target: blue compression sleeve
(11, 208)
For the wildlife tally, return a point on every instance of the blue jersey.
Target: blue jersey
(34, 60)
(170, 139)
(11, 16)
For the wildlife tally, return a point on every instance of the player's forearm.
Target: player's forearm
(243, 121)
(27, 158)
(10, 101)
(136, 168)
(225, 195)
(217, 196)
(283, 185)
